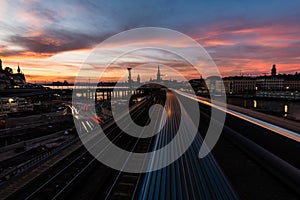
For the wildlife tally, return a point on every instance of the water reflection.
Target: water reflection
(286, 108)
(254, 103)
(282, 108)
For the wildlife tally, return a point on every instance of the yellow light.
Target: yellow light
(254, 103)
(287, 87)
(256, 88)
(286, 108)
(169, 112)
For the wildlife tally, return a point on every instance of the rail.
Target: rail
(263, 124)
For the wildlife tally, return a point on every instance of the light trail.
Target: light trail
(188, 177)
(271, 127)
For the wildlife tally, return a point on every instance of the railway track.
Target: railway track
(127, 185)
(238, 168)
(58, 180)
(30, 159)
(235, 169)
(41, 125)
(118, 184)
(188, 177)
(249, 156)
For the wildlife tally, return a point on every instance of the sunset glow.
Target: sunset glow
(50, 40)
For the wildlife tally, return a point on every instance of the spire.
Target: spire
(273, 71)
(158, 74)
(138, 79)
(19, 70)
(129, 77)
(1, 65)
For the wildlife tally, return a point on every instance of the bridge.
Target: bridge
(98, 92)
(256, 157)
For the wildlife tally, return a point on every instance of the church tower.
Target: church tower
(19, 70)
(138, 79)
(273, 71)
(158, 74)
(1, 69)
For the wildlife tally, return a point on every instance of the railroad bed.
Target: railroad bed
(59, 180)
(236, 168)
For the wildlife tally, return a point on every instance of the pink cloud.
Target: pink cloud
(247, 49)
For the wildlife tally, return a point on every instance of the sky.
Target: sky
(52, 39)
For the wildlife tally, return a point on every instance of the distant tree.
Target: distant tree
(9, 70)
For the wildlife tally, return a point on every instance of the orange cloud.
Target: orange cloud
(43, 79)
(244, 50)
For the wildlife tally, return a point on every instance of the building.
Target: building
(199, 86)
(239, 85)
(158, 78)
(272, 86)
(183, 85)
(292, 84)
(215, 85)
(8, 79)
(269, 83)
(138, 79)
(250, 85)
(273, 70)
(4, 81)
